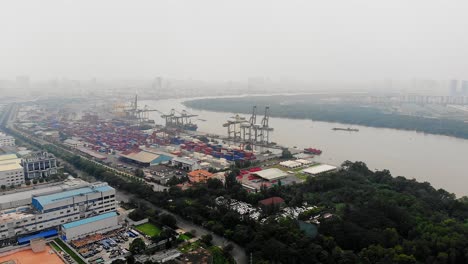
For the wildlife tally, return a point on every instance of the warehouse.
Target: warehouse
(11, 171)
(187, 164)
(97, 224)
(145, 158)
(291, 164)
(52, 210)
(271, 174)
(318, 169)
(24, 197)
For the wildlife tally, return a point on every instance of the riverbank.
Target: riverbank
(312, 108)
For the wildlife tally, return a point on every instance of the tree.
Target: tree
(137, 246)
(206, 239)
(228, 248)
(286, 154)
(167, 219)
(28, 182)
(34, 181)
(139, 173)
(3, 187)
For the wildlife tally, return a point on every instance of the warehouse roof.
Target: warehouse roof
(47, 199)
(319, 169)
(8, 157)
(185, 160)
(21, 195)
(89, 220)
(290, 164)
(271, 174)
(10, 166)
(140, 156)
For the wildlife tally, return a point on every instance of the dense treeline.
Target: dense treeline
(340, 113)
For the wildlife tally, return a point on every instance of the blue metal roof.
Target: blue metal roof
(89, 220)
(44, 234)
(40, 201)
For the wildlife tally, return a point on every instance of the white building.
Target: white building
(23, 196)
(11, 171)
(6, 140)
(318, 169)
(39, 165)
(291, 164)
(73, 143)
(96, 224)
(52, 210)
(186, 163)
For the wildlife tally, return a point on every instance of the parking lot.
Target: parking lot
(102, 248)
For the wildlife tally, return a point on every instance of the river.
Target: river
(439, 160)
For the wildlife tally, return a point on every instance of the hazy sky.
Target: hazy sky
(222, 40)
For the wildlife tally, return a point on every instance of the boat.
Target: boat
(345, 129)
(312, 151)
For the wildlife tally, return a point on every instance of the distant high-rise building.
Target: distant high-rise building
(453, 87)
(157, 83)
(464, 87)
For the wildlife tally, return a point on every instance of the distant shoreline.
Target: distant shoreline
(342, 114)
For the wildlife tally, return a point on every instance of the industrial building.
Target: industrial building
(73, 143)
(318, 169)
(39, 165)
(6, 140)
(187, 164)
(96, 224)
(290, 164)
(271, 174)
(52, 210)
(11, 171)
(23, 197)
(145, 157)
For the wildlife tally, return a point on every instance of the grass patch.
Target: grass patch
(148, 229)
(184, 237)
(69, 251)
(54, 246)
(190, 247)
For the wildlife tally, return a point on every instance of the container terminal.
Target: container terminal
(125, 138)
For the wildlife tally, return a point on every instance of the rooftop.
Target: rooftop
(319, 169)
(47, 199)
(39, 190)
(140, 156)
(272, 201)
(271, 174)
(89, 220)
(8, 157)
(13, 165)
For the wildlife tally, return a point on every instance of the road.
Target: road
(238, 253)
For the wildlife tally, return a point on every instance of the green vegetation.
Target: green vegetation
(312, 107)
(69, 251)
(184, 237)
(53, 245)
(137, 246)
(148, 229)
(189, 247)
(219, 256)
